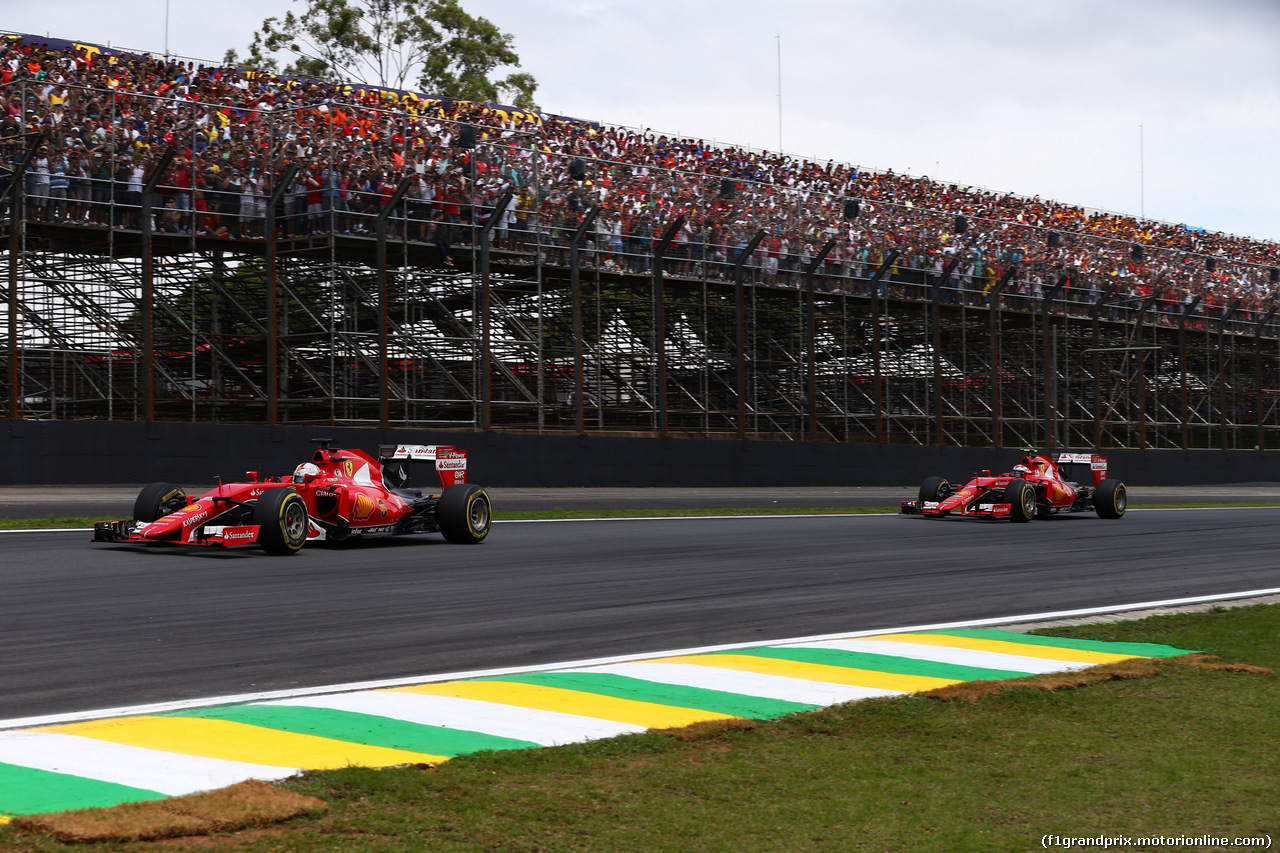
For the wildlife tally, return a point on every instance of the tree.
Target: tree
(434, 44)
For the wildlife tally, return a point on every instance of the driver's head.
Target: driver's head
(306, 471)
(1021, 470)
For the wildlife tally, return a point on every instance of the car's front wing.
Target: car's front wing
(977, 509)
(210, 535)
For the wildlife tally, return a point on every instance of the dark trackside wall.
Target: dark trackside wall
(53, 453)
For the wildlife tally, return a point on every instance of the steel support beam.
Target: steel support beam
(660, 323)
(740, 331)
(810, 272)
(273, 307)
(575, 243)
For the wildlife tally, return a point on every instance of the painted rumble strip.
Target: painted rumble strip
(152, 756)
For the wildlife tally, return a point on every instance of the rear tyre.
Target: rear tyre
(464, 514)
(281, 516)
(1110, 499)
(935, 489)
(1021, 497)
(158, 500)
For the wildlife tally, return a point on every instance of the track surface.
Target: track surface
(89, 627)
(94, 501)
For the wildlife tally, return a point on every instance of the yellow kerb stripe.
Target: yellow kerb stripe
(817, 672)
(1004, 647)
(231, 741)
(541, 697)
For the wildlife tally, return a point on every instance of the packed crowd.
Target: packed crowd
(101, 123)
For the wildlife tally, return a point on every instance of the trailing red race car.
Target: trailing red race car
(1039, 486)
(338, 495)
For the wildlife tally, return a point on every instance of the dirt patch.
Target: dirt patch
(245, 804)
(709, 729)
(972, 691)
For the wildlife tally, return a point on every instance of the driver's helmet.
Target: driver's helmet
(1021, 470)
(306, 471)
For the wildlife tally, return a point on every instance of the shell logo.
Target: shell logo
(365, 507)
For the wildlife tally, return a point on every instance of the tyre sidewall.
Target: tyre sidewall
(1015, 496)
(932, 489)
(152, 500)
(454, 514)
(1111, 499)
(271, 513)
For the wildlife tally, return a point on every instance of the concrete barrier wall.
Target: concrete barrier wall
(45, 453)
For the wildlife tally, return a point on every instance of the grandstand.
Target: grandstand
(194, 243)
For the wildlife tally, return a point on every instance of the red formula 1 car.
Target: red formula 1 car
(338, 495)
(1039, 486)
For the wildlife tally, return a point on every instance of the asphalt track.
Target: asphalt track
(90, 626)
(101, 501)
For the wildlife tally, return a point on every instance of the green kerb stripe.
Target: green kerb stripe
(659, 693)
(354, 727)
(880, 663)
(24, 790)
(1142, 650)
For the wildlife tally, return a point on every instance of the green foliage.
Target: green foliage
(433, 44)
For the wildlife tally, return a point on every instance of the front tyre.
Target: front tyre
(281, 516)
(1021, 497)
(1110, 499)
(158, 500)
(464, 514)
(935, 489)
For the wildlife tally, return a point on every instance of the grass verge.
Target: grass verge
(1184, 746)
(49, 523)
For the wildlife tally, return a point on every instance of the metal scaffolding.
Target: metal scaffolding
(544, 325)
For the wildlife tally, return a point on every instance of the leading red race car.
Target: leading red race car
(1039, 486)
(338, 495)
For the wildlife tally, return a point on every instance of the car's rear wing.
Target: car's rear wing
(1097, 464)
(451, 463)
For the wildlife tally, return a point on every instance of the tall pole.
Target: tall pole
(810, 300)
(660, 321)
(779, 40)
(273, 314)
(148, 285)
(384, 362)
(873, 287)
(1257, 347)
(1142, 176)
(17, 225)
(740, 330)
(575, 285)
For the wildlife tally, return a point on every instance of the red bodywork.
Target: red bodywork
(983, 495)
(344, 491)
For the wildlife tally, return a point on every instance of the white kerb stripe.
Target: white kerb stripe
(746, 683)
(949, 654)
(549, 728)
(150, 769)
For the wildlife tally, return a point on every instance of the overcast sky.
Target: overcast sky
(1165, 107)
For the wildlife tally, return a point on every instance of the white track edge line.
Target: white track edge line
(161, 707)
